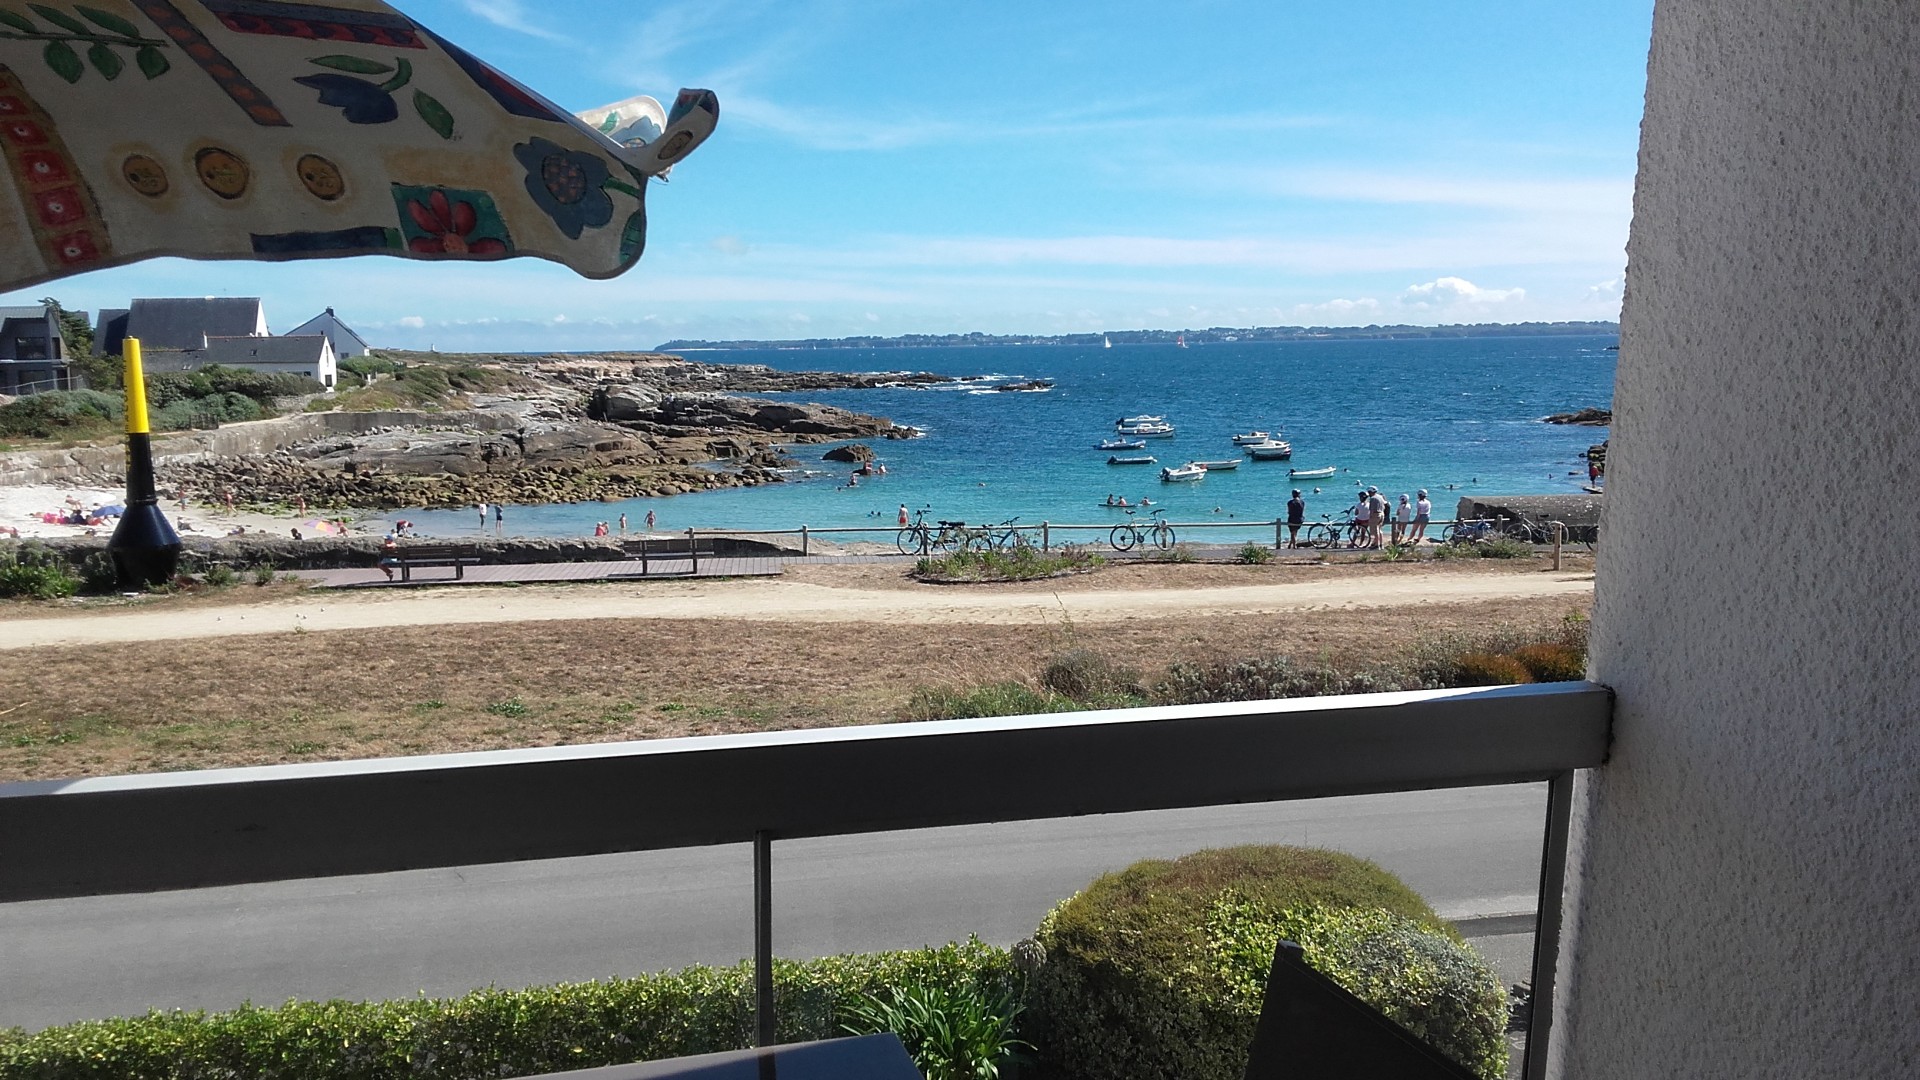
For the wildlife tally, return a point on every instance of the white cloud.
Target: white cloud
(413, 322)
(1605, 290)
(728, 245)
(509, 15)
(1339, 309)
(871, 317)
(1449, 292)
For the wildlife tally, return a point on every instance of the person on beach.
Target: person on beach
(499, 518)
(1402, 519)
(1376, 516)
(649, 521)
(903, 515)
(1422, 511)
(483, 516)
(1296, 517)
(389, 555)
(623, 524)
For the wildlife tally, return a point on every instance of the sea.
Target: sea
(1457, 416)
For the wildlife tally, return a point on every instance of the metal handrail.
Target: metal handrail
(129, 834)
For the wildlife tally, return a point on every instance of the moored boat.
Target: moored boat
(1142, 459)
(1122, 444)
(1217, 466)
(1311, 474)
(1129, 421)
(1251, 437)
(1272, 450)
(1189, 471)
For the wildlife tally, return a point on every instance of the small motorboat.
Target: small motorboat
(1143, 459)
(1217, 466)
(1129, 421)
(1157, 430)
(1271, 450)
(1311, 474)
(1189, 471)
(1122, 444)
(1251, 437)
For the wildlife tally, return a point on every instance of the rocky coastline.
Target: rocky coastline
(577, 428)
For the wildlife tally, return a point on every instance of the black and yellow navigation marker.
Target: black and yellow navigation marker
(145, 549)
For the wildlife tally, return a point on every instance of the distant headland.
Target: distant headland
(1210, 336)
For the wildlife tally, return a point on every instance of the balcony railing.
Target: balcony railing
(131, 834)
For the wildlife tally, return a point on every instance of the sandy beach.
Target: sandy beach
(21, 508)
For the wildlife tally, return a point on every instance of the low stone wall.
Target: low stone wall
(107, 464)
(1580, 513)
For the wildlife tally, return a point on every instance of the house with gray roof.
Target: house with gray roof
(180, 322)
(33, 355)
(346, 343)
(310, 355)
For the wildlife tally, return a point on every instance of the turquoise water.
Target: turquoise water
(1456, 416)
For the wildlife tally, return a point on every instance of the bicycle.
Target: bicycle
(1467, 533)
(1005, 536)
(1129, 534)
(1347, 532)
(920, 539)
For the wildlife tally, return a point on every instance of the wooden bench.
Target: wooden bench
(674, 548)
(458, 556)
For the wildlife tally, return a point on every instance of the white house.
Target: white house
(310, 355)
(346, 344)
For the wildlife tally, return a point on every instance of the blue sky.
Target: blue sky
(886, 168)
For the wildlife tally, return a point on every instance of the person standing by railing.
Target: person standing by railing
(1402, 520)
(1422, 512)
(1296, 517)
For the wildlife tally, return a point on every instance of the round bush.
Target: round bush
(1158, 970)
(1552, 662)
(1491, 669)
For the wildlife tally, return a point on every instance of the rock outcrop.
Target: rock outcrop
(1588, 417)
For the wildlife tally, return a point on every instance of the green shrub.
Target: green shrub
(1157, 970)
(1551, 661)
(1085, 675)
(97, 573)
(997, 699)
(951, 1034)
(1435, 987)
(499, 1032)
(263, 574)
(220, 575)
(1263, 677)
(1491, 669)
(1504, 547)
(34, 572)
(1256, 554)
(1178, 553)
(1024, 563)
(61, 413)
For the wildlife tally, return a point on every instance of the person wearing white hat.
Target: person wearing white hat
(1422, 510)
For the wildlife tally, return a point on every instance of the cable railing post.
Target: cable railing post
(693, 551)
(763, 939)
(1546, 939)
(1046, 538)
(1559, 531)
(1278, 524)
(803, 540)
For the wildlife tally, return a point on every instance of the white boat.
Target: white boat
(1311, 474)
(1189, 471)
(1106, 342)
(1252, 437)
(1122, 444)
(1130, 421)
(1159, 429)
(1217, 466)
(1143, 459)
(1272, 450)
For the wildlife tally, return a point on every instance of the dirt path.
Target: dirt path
(781, 601)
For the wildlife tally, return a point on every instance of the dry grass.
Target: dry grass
(109, 709)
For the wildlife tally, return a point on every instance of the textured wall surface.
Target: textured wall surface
(1748, 895)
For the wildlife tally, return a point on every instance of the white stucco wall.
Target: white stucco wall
(1747, 901)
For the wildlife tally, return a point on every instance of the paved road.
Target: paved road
(1470, 852)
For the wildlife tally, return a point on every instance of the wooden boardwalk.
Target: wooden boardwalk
(658, 568)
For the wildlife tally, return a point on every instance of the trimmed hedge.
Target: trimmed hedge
(491, 1033)
(1158, 970)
